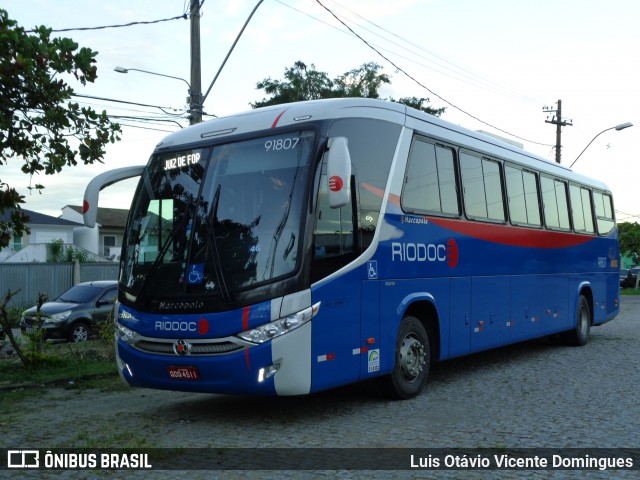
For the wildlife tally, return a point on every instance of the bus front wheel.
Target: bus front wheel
(579, 336)
(412, 361)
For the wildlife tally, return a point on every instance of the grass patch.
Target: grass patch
(629, 291)
(62, 362)
(106, 436)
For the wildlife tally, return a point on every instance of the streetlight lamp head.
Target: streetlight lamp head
(622, 126)
(121, 70)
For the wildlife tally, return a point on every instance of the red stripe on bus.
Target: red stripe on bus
(378, 192)
(502, 234)
(245, 318)
(514, 236)
(246, 358)
(275, 122)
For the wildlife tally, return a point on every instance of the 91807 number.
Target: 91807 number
(281, 144)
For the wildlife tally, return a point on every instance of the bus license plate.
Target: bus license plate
(183, 373)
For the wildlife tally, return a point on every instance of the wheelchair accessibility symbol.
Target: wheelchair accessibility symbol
(372, 269)
(196, 274)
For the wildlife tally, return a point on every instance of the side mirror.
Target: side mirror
(90, 203)
(339, 172)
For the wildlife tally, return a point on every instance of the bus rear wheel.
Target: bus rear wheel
(412, 361)
(579, 336)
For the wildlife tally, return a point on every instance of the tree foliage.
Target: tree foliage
(39, 125)
(629, 238)
(302, 82)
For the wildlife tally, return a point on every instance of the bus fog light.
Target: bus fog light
(268, 372)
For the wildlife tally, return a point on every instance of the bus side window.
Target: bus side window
(604, 212)
(556, 207)
(482, 188)
(430, 182)
(522, 193)
(581, 209)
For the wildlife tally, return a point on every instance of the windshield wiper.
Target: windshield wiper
(215, 250)
(271, 260)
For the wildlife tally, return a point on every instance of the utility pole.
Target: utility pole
(195, 95)
(559, 122)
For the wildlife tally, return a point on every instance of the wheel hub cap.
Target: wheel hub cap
(412, 358)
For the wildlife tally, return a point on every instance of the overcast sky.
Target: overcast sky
(494, 64)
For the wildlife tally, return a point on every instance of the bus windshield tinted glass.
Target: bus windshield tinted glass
(216, 221)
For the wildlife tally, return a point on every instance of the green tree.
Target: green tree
(629, 239)
(38, 124)
(364, 81)
(302, 82)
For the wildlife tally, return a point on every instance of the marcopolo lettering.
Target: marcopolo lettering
(180, 305)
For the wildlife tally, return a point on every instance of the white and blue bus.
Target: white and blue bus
(296, 248)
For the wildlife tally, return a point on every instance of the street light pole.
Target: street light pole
(127, 70)
(622, 126)
(195, 111)
(193, 106)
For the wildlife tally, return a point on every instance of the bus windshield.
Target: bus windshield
(215, 221)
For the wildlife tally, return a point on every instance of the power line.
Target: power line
(476, 80)
(400, 69)
(458, 72)
(204, 97)
(130, 103)
(130, 24)
(628, 215)
(145, 119)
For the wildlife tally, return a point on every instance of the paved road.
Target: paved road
(532, 395)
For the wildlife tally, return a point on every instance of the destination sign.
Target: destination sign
(181, 161)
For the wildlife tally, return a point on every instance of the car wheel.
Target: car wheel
(79, 332)
(412, 360)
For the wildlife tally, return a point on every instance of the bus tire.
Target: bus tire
(579, 336)
(412, 361)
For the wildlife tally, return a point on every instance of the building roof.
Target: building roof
(107, 217)
(39, 218)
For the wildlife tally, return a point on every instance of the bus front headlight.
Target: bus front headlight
(125, 334)
(274, 329)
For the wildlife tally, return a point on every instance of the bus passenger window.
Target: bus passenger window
(522, 191)
(556, 208)
(581, 209)
(549, 200)
(482, 188)
(430, 182)
(604, 212)
(563, 205)
(531, 198)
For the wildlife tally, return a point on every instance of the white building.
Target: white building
(103, 242)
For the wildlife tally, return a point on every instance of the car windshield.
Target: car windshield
(214, 221)
(79, 294)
